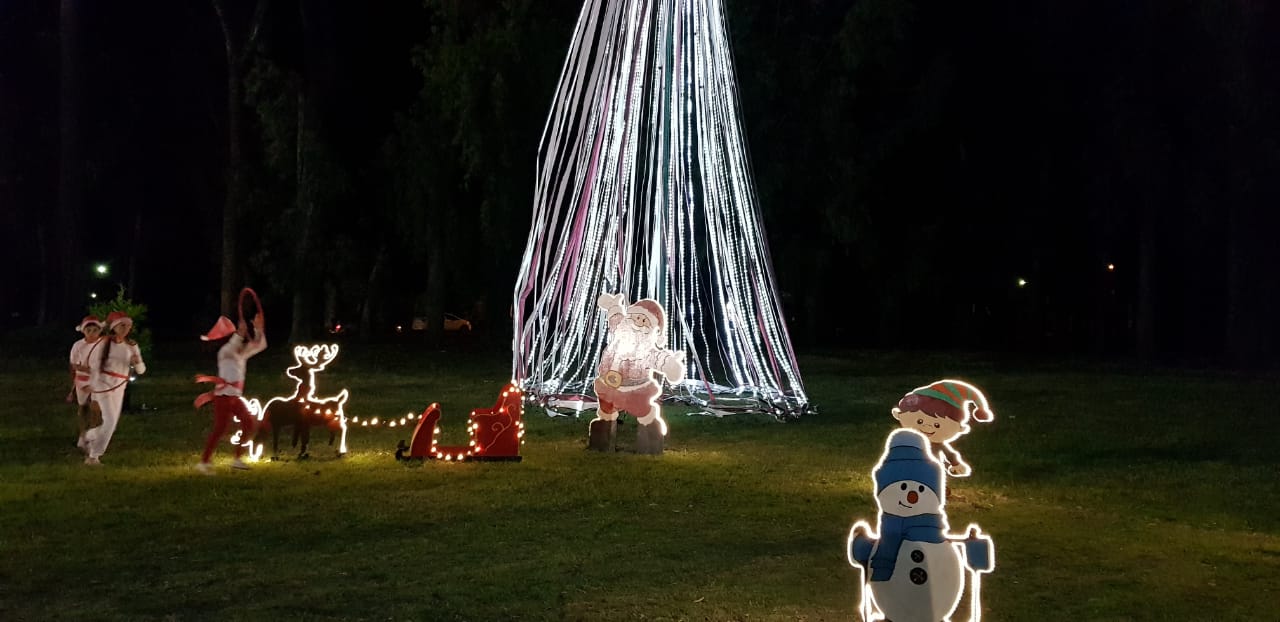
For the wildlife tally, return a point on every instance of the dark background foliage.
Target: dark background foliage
(914, 158)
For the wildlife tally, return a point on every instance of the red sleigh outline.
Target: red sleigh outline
(496, 433)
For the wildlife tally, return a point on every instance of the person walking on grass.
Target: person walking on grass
(109, 363)
(91, 328)
(239, 343)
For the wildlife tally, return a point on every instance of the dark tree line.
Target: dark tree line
(1077, 177)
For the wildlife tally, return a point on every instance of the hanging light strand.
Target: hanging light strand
(644, 187)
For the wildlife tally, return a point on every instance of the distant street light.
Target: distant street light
(93, 295)
(1022, 282)
(101, 269)
(1111, 267)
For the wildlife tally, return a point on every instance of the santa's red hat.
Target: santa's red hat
(118, 317)
(223, 327)
(89, 320)
(650, 307)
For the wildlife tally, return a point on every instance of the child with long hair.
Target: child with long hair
(239, 343)
(109, 365)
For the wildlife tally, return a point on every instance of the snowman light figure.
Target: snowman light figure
(912, 567)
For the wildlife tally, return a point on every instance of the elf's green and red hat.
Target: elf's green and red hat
(948, 398)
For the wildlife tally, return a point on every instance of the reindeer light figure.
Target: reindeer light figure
(302, 409)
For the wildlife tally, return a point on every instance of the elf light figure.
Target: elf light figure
(941, 411)
(912, 567)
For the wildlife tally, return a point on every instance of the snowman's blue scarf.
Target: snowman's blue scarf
(895, 529)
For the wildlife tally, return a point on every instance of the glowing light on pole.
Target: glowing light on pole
(644, 188)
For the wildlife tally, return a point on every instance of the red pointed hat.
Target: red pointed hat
(89, 319)
(221, 328)
(948, 398)
(117, 317)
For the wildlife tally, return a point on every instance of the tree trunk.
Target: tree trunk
(302, 270)
(1244, 335)
(1145, 315)
(1240, 337)
(371, 294)
(331, 319)
(237, 54)
(134, 250)
(435, 287)
(235, 179)
(1149, 159)
(44, 272)
(70, 174)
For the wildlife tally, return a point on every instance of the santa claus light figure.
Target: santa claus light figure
(626, 379)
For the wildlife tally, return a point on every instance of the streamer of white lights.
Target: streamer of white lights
(644, 187)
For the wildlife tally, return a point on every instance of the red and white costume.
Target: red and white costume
(80, 357)
(79, 361)
(228, 387)
(107, 381)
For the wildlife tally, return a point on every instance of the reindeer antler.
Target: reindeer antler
(305, 355)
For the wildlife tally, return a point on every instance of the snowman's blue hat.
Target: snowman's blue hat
(906, 457)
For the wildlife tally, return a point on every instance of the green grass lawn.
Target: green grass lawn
(1111, 493)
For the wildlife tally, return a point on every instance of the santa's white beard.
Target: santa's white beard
(629, 339)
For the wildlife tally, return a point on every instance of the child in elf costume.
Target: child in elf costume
(109, 362)
(239, 343)
(91, 328)
(941, 411)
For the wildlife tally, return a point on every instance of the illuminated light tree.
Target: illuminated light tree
(644, 188)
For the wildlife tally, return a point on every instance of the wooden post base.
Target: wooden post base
(603, 435)
(649, 439)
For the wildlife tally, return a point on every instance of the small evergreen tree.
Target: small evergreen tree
(136, 311)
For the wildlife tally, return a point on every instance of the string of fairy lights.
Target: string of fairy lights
(644, 187)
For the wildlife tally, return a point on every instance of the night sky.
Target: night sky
(154, 121)
(914, 159)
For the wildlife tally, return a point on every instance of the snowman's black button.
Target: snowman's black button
(917, 556)
(918, 576)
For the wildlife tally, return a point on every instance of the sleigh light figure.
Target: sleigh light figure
(496, 433)
(302, 410)
(912, 567)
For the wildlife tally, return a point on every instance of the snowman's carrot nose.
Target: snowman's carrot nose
(912, 497)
